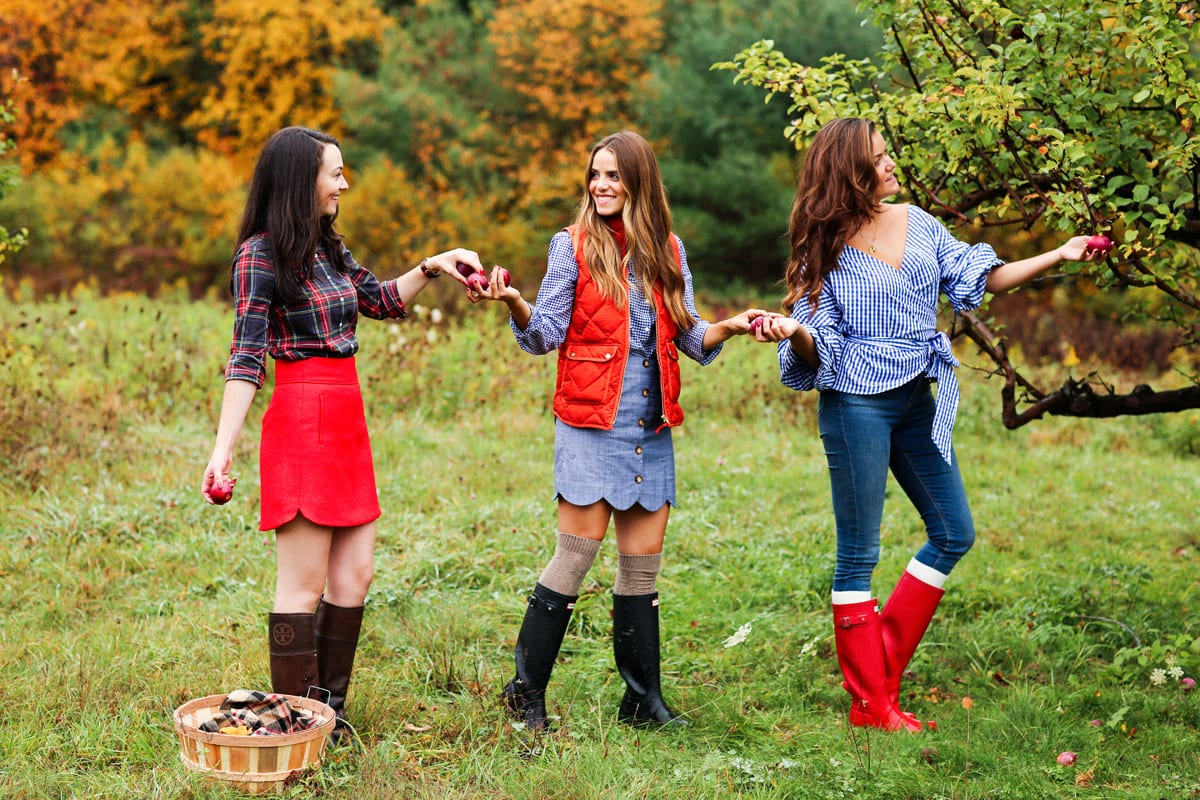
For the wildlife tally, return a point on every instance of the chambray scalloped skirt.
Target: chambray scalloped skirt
(630, 464)
(315, 455)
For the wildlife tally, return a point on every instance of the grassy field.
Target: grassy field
(1068, 628)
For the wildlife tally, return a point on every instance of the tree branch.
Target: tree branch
(1074, 398)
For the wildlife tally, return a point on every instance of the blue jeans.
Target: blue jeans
(864, 436)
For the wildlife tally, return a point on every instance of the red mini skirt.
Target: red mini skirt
(315, 457)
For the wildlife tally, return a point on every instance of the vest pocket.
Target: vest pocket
(602, 353)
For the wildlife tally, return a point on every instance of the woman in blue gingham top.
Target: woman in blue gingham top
(864, 280)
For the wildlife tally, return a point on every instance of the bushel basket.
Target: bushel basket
(259, 764)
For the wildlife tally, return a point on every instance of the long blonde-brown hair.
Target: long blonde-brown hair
(835, 196)
(647, 219)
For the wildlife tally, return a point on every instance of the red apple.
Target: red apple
(222, 490)
(504, 276)
(475, 280)
(756, 323)
(1100, 243)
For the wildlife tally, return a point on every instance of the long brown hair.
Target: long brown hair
(282, 200)
(835, 196)
(647, 219)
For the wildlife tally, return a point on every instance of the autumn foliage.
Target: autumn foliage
(576, 65)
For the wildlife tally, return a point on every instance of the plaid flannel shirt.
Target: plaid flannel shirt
(322, 324)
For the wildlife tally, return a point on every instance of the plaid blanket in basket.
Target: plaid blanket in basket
(264, 713)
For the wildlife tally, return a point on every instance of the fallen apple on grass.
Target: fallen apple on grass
(222, 490)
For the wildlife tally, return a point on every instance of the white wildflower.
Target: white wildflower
(739, 636)
(1175, 672)
(1170, 660)
(1158, 677)
(435, 316)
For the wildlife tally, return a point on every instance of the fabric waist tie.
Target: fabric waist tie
(945, 408)
(941, 368)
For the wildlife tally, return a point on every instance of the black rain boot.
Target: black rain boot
(337, 630)
(636, 648)
(538, 642)
(293, 653)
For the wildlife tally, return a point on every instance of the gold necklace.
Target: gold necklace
(871, 248)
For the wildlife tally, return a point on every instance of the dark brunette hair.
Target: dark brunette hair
(835, 196)
(282, 202)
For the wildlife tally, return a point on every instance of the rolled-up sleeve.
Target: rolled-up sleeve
(253, 286)
(964, 267)
(551, 312)
(823, 326)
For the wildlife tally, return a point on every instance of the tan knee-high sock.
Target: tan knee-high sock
(573, 557)
(637, 575)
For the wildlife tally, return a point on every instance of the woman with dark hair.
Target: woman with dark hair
(863, 282)
(298, 293)
(617, 304)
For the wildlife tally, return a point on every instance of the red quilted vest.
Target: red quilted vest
(591, 360)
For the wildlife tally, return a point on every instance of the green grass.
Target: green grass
(126, 595)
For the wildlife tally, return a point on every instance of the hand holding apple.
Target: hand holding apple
(1100, 244)
(221, 491)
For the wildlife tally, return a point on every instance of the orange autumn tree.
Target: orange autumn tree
(575, 65)
(59, 57)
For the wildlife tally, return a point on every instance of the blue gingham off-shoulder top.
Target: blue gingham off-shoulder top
(875, 327)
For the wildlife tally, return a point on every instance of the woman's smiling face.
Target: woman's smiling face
(604, 184)
(331, 181)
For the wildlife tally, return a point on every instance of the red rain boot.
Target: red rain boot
(859, 638)
(905, 619)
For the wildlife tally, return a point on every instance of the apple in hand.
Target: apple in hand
(756, 323)
(221, 491)
(1100, 243)
(478, 280)
(475, 280)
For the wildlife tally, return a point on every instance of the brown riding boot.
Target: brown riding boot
(337, 641)
(293, 652)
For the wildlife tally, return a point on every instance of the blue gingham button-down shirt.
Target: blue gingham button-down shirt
(875, 327)
(547, 327)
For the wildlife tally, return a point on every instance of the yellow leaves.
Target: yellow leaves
(70, 54)
(275, 61)
(251, 67)
(577, 64)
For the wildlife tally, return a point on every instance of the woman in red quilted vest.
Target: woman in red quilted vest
(617, 305)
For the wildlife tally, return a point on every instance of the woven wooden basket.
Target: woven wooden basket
(258, 764)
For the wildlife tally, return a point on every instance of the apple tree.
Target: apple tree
(1021, 115)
